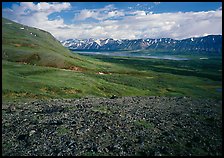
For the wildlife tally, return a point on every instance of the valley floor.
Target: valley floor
(104, 76)
(154, 126)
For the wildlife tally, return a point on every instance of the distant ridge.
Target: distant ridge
(210, 43)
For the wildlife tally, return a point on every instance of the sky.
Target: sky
(119, 20)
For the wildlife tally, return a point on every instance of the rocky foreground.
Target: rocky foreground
(153, 126)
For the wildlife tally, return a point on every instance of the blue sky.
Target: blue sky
(120, 20)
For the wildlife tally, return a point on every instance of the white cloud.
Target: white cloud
(84, 14)
(43, 7)
(138, 12)
(130, 25)
(156, 3)
(36, 15)
(99, 14)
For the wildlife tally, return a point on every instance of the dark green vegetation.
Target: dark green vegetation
(39, 67)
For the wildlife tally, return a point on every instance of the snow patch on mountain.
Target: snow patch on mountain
(210, 43)
(98, 42)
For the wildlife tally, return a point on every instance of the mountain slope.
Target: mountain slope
(211, 43)
(30, 45)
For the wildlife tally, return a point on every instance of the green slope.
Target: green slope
(95, 75)
(30, 45)
(21, 81)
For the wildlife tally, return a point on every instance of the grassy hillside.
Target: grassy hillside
(34, 46)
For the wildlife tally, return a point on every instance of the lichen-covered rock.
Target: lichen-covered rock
(126, 126)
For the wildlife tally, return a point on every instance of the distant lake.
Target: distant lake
(129, 54)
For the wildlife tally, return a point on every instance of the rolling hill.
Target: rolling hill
(30, 45)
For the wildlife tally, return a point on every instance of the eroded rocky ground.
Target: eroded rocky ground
(118, 126)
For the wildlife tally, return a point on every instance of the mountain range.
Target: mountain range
(210, 43)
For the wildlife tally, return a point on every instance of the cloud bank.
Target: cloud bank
(110, 22)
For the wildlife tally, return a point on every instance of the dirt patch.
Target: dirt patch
(44, 89)
(24, 45)
(76, 68)
(103, 73)
(17, 45)
(71, 91)
(20, 94)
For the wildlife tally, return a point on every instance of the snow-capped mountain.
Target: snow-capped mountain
(211, 43)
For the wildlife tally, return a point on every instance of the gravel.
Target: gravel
(116, 126)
